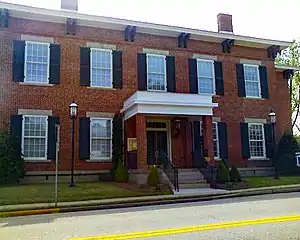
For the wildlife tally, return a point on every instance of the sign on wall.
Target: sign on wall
(131, 144)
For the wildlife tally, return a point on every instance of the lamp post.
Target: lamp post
(272, 116)
(73, 115)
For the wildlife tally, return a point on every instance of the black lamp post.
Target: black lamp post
(73, 116)
(272, 116)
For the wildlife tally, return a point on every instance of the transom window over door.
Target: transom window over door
(252, 81)
(205, 75)
(101, 68)
(156, 72)
(101, 138)
(37, 57)
(256, 140)
(34, 144)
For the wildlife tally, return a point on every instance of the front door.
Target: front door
(157, 146)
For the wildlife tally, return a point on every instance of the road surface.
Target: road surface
(260, 217)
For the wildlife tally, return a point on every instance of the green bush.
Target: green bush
(153, 176)
(121, 173)
(11, 161)
(222, 173)
(285, 160)
(234, 174)
(225, 164)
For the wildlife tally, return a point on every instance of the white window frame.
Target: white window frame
(111, 136)
(165, 71)
(213, 75)
(217, 135)
(25, 63)
(23, 136)
(263, 140)
(111, 67)
(258, 77)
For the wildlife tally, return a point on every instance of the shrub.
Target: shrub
(235, 174)
(121, 173)
(225, 164)
(153, 177)
(222, 173)
(285, 160)
(11, 161)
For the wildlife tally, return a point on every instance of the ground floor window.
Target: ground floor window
(34, 141)
(256, 140)
(101, 138)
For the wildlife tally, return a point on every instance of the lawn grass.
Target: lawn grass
(44, 193)
(254, 182)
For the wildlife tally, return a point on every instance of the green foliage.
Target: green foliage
(153, 176)
(222, 173)
(117, 142)
(11, 161)
(235, 174)
(285, 154)
(225, 164)
(121, 173)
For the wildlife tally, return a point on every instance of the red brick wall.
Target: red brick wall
(232, 109)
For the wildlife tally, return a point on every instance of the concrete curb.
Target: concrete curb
(160, 200)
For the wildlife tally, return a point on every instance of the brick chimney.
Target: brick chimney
(225, 23)
(69, 5)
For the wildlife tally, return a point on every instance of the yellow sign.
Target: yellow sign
(207, 159)
(131, 144)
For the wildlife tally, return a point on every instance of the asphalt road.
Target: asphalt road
(260, 217)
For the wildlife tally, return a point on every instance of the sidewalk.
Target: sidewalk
(46, 208)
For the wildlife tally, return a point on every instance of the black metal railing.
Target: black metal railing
(172, 172)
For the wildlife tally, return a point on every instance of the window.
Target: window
(256, 140)
(156, 72)
(34, 142)
(101, 138)
(215, 139)
(252, 81)
(206, 78)
(37, 57)
(101, 68)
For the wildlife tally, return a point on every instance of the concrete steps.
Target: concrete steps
(191, 179)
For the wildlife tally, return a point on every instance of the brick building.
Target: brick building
(178, 90)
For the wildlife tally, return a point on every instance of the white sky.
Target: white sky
(273, 19)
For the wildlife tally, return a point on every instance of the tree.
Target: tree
(235, 174)
(291, 57)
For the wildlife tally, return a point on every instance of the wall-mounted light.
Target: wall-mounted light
(177, 126)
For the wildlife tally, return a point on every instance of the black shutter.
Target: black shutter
(171, 74)
(223, 146)
(117, 139)
(18, 60)
(245, 140)
(85, 63)
(268, 140)
(51, 147)
(263, 82)
(193, 76)
(142, 71)
(54, 75)
(197, 137)
(16, 125)
(84, 138)
(219, 78)
(117, 69)
(240, 80)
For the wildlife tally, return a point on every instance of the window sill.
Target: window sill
(217, 159)
(37, 84)
(103, 88)
(37, 161)
(254, 98)
(99, 160)
(259, 159)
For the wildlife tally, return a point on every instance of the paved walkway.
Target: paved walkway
(200, 191)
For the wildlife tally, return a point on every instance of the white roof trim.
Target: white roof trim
(280, 67)
(43, 14)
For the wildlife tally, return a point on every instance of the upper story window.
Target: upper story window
(101, 68)
(101, 138)
(34, 141)
(256, 140)
(205, 75)
(252, 80)
(156, 73)
(37, 58)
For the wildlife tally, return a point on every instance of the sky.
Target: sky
(278, 20)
